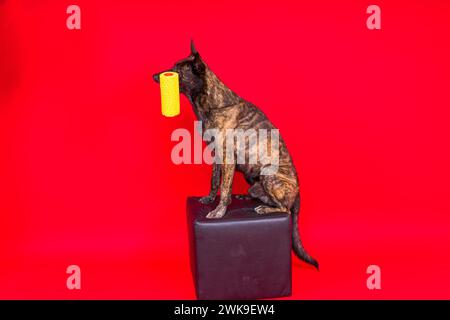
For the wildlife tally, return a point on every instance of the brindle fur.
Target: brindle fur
(218, 107)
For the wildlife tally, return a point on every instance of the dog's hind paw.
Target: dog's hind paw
(266, 209)
(261, 209)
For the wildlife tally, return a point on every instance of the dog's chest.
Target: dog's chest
(224, 118)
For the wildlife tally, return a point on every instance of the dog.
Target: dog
(218, 107)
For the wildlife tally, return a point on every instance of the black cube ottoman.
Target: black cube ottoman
(241, 256)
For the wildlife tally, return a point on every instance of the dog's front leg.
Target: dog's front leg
(225, 192)
(215, 182)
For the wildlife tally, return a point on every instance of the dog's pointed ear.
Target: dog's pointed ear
(194, 51)
(199, 66)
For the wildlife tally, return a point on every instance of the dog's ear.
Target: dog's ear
(198, 64)
(194, 51)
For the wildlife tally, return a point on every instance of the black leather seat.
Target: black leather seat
(241, 256)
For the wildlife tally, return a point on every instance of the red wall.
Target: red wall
(85, 171)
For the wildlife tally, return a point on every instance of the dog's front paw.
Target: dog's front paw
(217, 213)
(207, 199)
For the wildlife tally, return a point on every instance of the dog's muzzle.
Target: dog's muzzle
(156, 75)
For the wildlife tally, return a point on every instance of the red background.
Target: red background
(85, 171)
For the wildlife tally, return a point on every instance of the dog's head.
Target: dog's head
(191, 71)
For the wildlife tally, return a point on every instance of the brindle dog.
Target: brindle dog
(220, 108)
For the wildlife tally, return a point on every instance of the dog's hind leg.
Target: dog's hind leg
(256, 191)
(281, 196)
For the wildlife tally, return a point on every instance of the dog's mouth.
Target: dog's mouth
(156, 77)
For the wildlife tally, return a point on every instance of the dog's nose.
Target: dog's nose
(156, 77)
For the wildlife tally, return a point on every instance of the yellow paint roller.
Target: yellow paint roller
(170, 94)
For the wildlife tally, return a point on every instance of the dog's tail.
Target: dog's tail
(296, 242)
